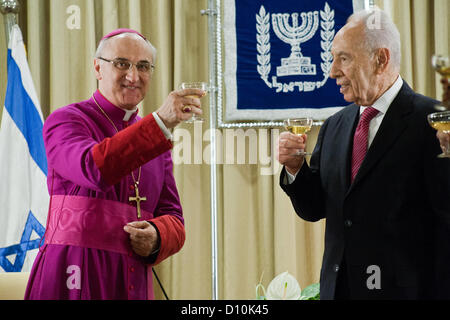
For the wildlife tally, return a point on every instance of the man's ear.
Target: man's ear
(383, 57)
(97, 69)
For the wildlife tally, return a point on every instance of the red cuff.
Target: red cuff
(172, 234)
(130, 148)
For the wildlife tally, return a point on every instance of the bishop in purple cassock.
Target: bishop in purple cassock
(107, 167)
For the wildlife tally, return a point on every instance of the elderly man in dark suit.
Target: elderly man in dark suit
(374, 176)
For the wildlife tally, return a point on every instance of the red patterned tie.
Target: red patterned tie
(360, 140)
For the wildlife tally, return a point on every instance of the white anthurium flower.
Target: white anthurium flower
(283, 287)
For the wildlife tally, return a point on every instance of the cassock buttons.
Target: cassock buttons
(336, 268)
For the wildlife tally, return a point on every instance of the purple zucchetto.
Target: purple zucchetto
(120, 31)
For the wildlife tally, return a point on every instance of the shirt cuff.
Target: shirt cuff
(291, 177)
(163, 127)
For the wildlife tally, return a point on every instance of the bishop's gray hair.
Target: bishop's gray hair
(380, 32)
(101, 46)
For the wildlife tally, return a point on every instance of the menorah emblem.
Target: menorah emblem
(296, 63)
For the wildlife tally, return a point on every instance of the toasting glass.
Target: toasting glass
(441, 121)
(299, 127)
(194, 85)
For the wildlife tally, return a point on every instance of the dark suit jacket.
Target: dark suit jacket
(396, 214)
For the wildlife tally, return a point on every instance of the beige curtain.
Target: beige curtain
(424, 30)
(259, 233)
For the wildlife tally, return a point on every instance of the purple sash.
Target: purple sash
(91, 223)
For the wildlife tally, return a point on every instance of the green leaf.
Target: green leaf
(260, 296)
(311, 292)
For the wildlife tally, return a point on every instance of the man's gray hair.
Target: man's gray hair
(101, 46)
(380, 32)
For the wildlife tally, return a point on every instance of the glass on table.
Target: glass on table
(441, 63)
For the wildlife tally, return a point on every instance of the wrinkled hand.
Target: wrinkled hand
(444, 140)
(143, 237)
(179, 106)
(289, 144)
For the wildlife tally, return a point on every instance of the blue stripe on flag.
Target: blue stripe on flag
(24, 114)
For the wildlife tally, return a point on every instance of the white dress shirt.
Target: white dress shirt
(382, 105)
(163, 127)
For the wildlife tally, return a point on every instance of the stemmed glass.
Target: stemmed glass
(194, 85)
(299, 127)
(441, 63)
(441, 121)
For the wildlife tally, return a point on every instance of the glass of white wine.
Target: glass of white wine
(299, 126)
(441, 121)
(441, 63)
(194, 85)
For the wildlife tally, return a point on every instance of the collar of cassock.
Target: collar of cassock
(118, 115)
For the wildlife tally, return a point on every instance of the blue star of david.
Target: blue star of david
(25, 245)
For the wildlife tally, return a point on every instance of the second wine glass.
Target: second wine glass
(441, 121)
(299, 127)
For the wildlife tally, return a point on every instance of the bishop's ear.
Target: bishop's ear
(97, 69)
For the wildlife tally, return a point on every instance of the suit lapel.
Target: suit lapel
(335, 162)
(391, 127)
(345, 134)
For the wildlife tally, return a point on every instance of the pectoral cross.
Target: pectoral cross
(138, 199)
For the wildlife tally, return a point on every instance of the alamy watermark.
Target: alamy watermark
(374, 280)
(73, 21)
(74, 279)
(233, 146)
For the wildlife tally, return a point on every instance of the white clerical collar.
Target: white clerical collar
(382, 103)
(128, 113)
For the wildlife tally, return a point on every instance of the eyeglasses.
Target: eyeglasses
(125, 65)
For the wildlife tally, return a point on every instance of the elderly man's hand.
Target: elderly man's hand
(143, 237)
(180, 105)
(288, 144)
(444, 140)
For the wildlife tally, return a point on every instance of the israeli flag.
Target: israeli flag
(23, 165)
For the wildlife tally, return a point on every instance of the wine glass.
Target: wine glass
(441, 121)
(299, 127)
(194, 85)
(441, 63)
